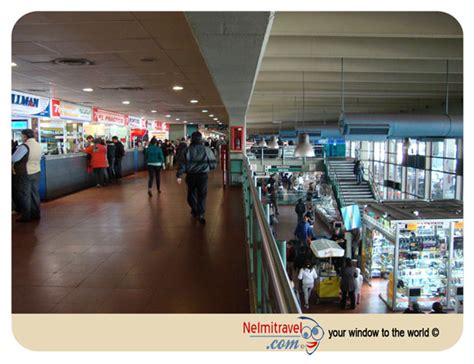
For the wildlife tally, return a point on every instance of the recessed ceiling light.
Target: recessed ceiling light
(178, 88)
(204, 111)
(14, 64)
(168, 116)
(177, 119)
(185, 121)
(216, 119)
(211, 115)
(126, 102)
(153, 111)
(87, 89)
(193, 101)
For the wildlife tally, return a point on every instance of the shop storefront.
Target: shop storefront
(158, 129)
(106, 124)
(137, 127)
(64, 131)
(26, 112)
(416, 246)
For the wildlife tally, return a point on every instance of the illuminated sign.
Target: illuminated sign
(31, 105)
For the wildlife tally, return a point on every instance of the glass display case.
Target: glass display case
(426, 254)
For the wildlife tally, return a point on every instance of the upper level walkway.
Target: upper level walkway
(116, 250)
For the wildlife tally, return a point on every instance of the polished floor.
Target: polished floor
(116, 250)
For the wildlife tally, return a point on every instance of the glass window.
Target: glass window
(411, 181)
(379, 172)
(437, 164)
(395, 173)
(392, 145)
(437, 149)
(451, 148)
(443, 185)
(420, 178)
(413, 150)
(450, 165)
(421, 148)
(400, 152)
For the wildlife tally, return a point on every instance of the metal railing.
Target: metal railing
(374, 187)
(334, 181)
(270, 288)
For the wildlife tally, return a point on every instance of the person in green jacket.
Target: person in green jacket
(155, 161)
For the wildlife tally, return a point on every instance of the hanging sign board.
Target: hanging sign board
(70, 111)
(109, 117)
(29, 105)
(273, 169)
(135, 122)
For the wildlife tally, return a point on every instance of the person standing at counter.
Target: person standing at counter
(26, 162)
(347, 285)
(110, 159)
(196, 161)
(119, 154)
(155, 160)
(98, 153)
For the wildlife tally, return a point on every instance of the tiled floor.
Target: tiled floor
(115, 249)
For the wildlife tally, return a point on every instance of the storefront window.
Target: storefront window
(423, 262)
(421, 148)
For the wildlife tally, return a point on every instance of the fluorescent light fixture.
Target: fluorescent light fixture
(193, 101)
(168, 116)
(126, 102)
(178, 88)
(153, 111)
(87, 89)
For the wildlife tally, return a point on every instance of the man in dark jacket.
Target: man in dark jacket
(111, 160)
(300, 210)
(196, 161)
(119, 154)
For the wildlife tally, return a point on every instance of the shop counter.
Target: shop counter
(67, 173)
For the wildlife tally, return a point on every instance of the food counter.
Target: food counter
(67, 173)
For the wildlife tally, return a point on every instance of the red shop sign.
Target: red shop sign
(55, 108)
(109, 117)
(160, 126)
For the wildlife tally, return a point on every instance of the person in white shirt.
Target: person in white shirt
(358, 282)
(307, 275)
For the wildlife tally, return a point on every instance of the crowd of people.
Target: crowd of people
(194, 156)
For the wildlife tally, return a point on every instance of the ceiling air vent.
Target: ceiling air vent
(124, 88)
(73, 61)
(36, 90)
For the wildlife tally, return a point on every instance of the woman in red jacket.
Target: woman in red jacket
(98, 153)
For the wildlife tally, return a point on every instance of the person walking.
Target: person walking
(26, 165)
(196, 161)
(170, 150)
(180, 148)
(348, 273)
(300, 209)
(155, 160)
(359, 171)
(307, 275)
(98, 153)
(304, 234)
(119, 154)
